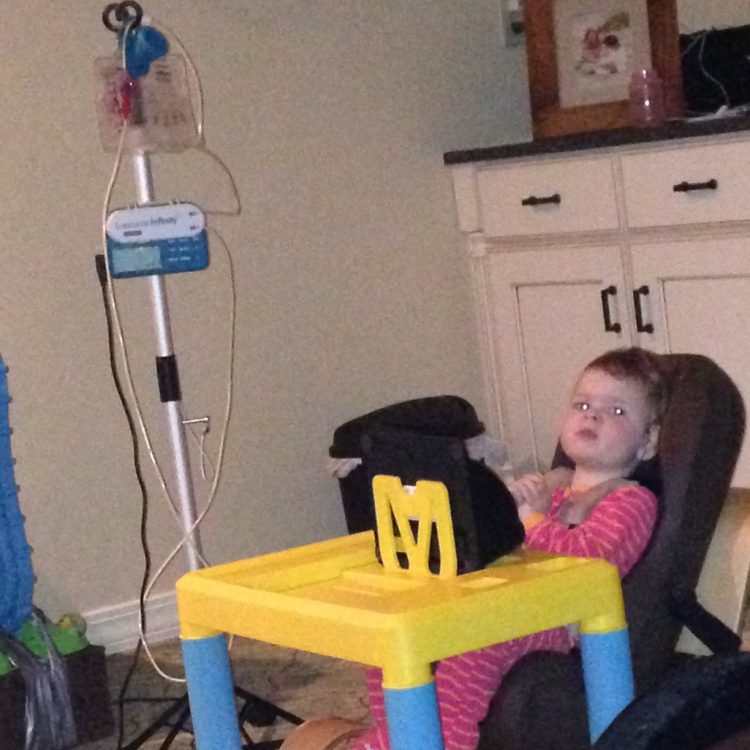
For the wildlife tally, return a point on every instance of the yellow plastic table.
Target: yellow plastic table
(334, 598)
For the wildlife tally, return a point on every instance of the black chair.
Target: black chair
(701, 705)
(541, 703)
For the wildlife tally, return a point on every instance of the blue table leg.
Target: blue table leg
(413, 718)
(211, 693)
(608, 673)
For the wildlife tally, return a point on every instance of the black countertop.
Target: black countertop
(602, 139)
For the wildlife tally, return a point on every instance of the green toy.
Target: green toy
(68, 636)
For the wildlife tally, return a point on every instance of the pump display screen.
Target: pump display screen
(175, 255)
(136, 259)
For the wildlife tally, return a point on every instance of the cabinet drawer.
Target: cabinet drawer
(687, 185)
(576, 195)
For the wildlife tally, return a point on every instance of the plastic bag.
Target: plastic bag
(49, 714)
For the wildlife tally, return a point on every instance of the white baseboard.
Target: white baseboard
(116, 627)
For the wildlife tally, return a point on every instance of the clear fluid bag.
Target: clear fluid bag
(158, 106)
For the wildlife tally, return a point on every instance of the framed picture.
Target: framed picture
(581, 56)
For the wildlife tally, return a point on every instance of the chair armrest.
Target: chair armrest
(710, 630)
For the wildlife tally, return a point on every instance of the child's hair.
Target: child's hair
(640, 365)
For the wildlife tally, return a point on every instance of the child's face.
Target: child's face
(608, 424)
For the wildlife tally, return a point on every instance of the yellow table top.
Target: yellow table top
(334, 598)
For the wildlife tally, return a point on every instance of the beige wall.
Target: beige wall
(705, 14)
(333, 116)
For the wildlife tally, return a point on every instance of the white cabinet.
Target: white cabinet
(563, 196)
(687, 185)
(699, 295)
(653, 240)
(548, 310)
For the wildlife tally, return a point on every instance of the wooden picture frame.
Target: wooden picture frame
(572, 94)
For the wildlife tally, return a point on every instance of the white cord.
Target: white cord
(237, 210)
(125, 31)
(707, 74)
(112, 298)
(219, 459)
(695, 40)
(139, 412)
(151, 21)
(198, 99)
(114, 307)
(187, 538)
(201, 443)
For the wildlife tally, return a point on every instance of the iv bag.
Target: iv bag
(158, 106)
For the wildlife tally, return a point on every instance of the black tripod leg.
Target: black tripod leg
(265, 745)
(176, 729)
(255, 711)
(161, 721)
(251, 745)
(261, 712)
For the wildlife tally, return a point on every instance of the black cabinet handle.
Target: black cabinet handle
(688, 187)
(610, 291)
(534, 200)
(640, 326)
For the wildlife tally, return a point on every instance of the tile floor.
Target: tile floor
(301, 683)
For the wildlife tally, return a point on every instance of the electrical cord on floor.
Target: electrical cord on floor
(101, 272)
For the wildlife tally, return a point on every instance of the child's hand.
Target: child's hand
(531, 490)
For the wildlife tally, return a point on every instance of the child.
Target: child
(610, 425)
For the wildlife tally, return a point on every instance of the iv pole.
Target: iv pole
(255, 710)
(170, 394)
(169, 383)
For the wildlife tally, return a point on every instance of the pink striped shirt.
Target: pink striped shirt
(617, 530)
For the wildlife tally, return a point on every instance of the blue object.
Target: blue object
(176, 255)
(143, 45)
(413, 718)
(608, 676)
(16, 575)
(211, 693)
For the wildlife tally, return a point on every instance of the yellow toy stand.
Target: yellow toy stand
(334, 598)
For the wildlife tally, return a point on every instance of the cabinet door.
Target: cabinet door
(547, 321)
(699, 301)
